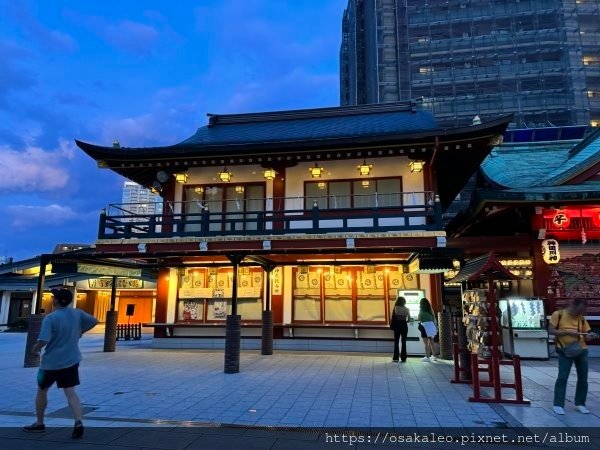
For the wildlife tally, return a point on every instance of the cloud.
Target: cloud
(45, 37)
(13, 77)
(24, 217)
(73, 99)
(34, 169)
(131, 37)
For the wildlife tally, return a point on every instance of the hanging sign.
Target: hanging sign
(277, 281)
(122, 283)
(561, 219)
(550, 251)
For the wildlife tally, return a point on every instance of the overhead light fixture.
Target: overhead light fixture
(162, 176)
(181, 177)
(321, 185)
(364, 169)
(365, 183)
(416, 166)
(199, 190)
(225, 176)
(316, 171)
(269, 174)
(156, 187)
(239, 189)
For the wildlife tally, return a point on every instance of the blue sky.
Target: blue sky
(144, 72)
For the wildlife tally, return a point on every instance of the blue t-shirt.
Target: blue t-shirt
(62, 329)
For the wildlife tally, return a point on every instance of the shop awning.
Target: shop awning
(424, 264)
(478, 269)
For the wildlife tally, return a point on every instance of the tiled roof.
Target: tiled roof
(517, 166)
(301, 125)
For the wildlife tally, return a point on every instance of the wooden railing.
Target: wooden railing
(182, 219)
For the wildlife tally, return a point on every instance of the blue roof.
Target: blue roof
(303, 125)
(527, 165)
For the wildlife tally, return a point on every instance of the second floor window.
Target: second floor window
(357, 193)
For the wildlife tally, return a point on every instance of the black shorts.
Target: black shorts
(64, 378)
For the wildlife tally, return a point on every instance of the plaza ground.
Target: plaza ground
(185, 394)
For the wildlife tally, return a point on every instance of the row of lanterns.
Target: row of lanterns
(316, 171)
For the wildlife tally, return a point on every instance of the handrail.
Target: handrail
(398, 211)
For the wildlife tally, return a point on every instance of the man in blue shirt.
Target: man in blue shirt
(60, 334)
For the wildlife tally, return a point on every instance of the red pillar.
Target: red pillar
(162, 301)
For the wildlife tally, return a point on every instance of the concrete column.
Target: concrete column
(4, 307)
(233, 329)
(35, 320)
(110, 329)
(267, 317)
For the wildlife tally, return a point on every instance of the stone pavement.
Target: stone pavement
(185, 395)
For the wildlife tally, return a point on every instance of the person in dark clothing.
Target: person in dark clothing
(399, 323)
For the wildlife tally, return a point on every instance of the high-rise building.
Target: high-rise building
(538, 59)
(138, 200)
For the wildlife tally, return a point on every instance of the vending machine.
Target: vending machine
(523, 323)
(414, 344)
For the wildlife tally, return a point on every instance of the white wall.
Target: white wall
(295, 177)
(393, 166)
(241, 174)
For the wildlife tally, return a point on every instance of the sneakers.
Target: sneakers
(426, 359)
(34, 428)
(582, 409)
(77, 430)
(434, 358)
(559, 410)
(394, 360)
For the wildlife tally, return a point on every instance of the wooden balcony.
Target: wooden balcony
(418, 211)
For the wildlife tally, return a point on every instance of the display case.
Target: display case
(524, 327)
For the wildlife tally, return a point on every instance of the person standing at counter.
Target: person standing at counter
(427, 328)
(399, 323)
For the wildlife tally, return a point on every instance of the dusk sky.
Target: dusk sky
(143, 72)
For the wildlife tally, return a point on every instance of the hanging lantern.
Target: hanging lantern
(199, 190)
(364, 169)
(316, 171)
(181, 177)
(365, 183)
(239, 189)
(269, 174)
(416, 166)
(225, 176)
(321, 185)
(550, 251)
(561, 219)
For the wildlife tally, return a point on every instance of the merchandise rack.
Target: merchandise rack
(483, 321)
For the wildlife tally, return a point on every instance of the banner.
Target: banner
(277, 281)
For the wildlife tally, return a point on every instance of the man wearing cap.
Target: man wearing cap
(60, 333)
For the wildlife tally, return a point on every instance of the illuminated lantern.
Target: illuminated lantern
(561, 219)
(550, 251)
(596, 218)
